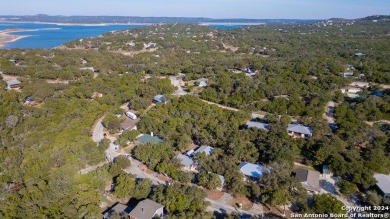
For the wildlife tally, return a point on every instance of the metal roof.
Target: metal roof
(145, 209)
(298, 128)
(258, 125)
(149, 139)
(13, 82)
(252, 170)
(185, 160)
(309, 179)
(206, 149)
(383, 182)
(159, 98)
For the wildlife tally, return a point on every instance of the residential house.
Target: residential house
(298, 130)
(202, 83)
(378, 93)
(13, 83)
(147, 209)
(96, 94)
(347, 74)
(129, 124)
(187, 162)
(360, 84)
(117, 208)
(144, 139)
(88, 69)
(258, 125)
(309, 179)
(383, 184)
(359, 54)
(205, 149)
(159, 99)
(252, 171)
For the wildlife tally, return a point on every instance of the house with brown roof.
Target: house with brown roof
(309, 179)
(129, 124)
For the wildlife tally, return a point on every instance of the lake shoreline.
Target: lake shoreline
(7, 37)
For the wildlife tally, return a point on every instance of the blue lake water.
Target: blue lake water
(47, 36)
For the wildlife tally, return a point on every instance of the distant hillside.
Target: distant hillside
(130, 19)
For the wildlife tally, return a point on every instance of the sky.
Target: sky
(260, 9)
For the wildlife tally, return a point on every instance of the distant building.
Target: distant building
(202, 83)
(159, 99)
(347, 74)
(96, 94)
(204, 149)
(12, 84)
(298, 130)
(359, 54)
(187, 162)
(378, 94)
(383, 184)
(147, 209)
(88, 69)
(129, 124)
(258, 125)
(309, 179)
(252, 170)
(144, 139)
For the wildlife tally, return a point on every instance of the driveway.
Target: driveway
(97, 132)
(177, 82)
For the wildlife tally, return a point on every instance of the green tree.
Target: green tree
(142, 188)
(326, 204)
(124, 186)
(122, 161)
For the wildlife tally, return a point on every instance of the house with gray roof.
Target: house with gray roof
(309, 179)
(258, 125)
(147, 209)
(383, 184)
(159, 99)
(298, 130)
(204, 149)
(13, 83)
(117, 208)
(187, 162)
(144, 139)
(251, 170)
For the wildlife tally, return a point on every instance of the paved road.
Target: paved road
(329, 112)
(222, 205)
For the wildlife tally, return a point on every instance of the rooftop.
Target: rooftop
(383, 182)
(258, 125)
(159, 98)
(185, 160)
(116, 208)
(298, 128)
(129, 124)
(309, 179)
(145, 209)
(206, 149)
(252, 170)
(149, 139)
(13, 82)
